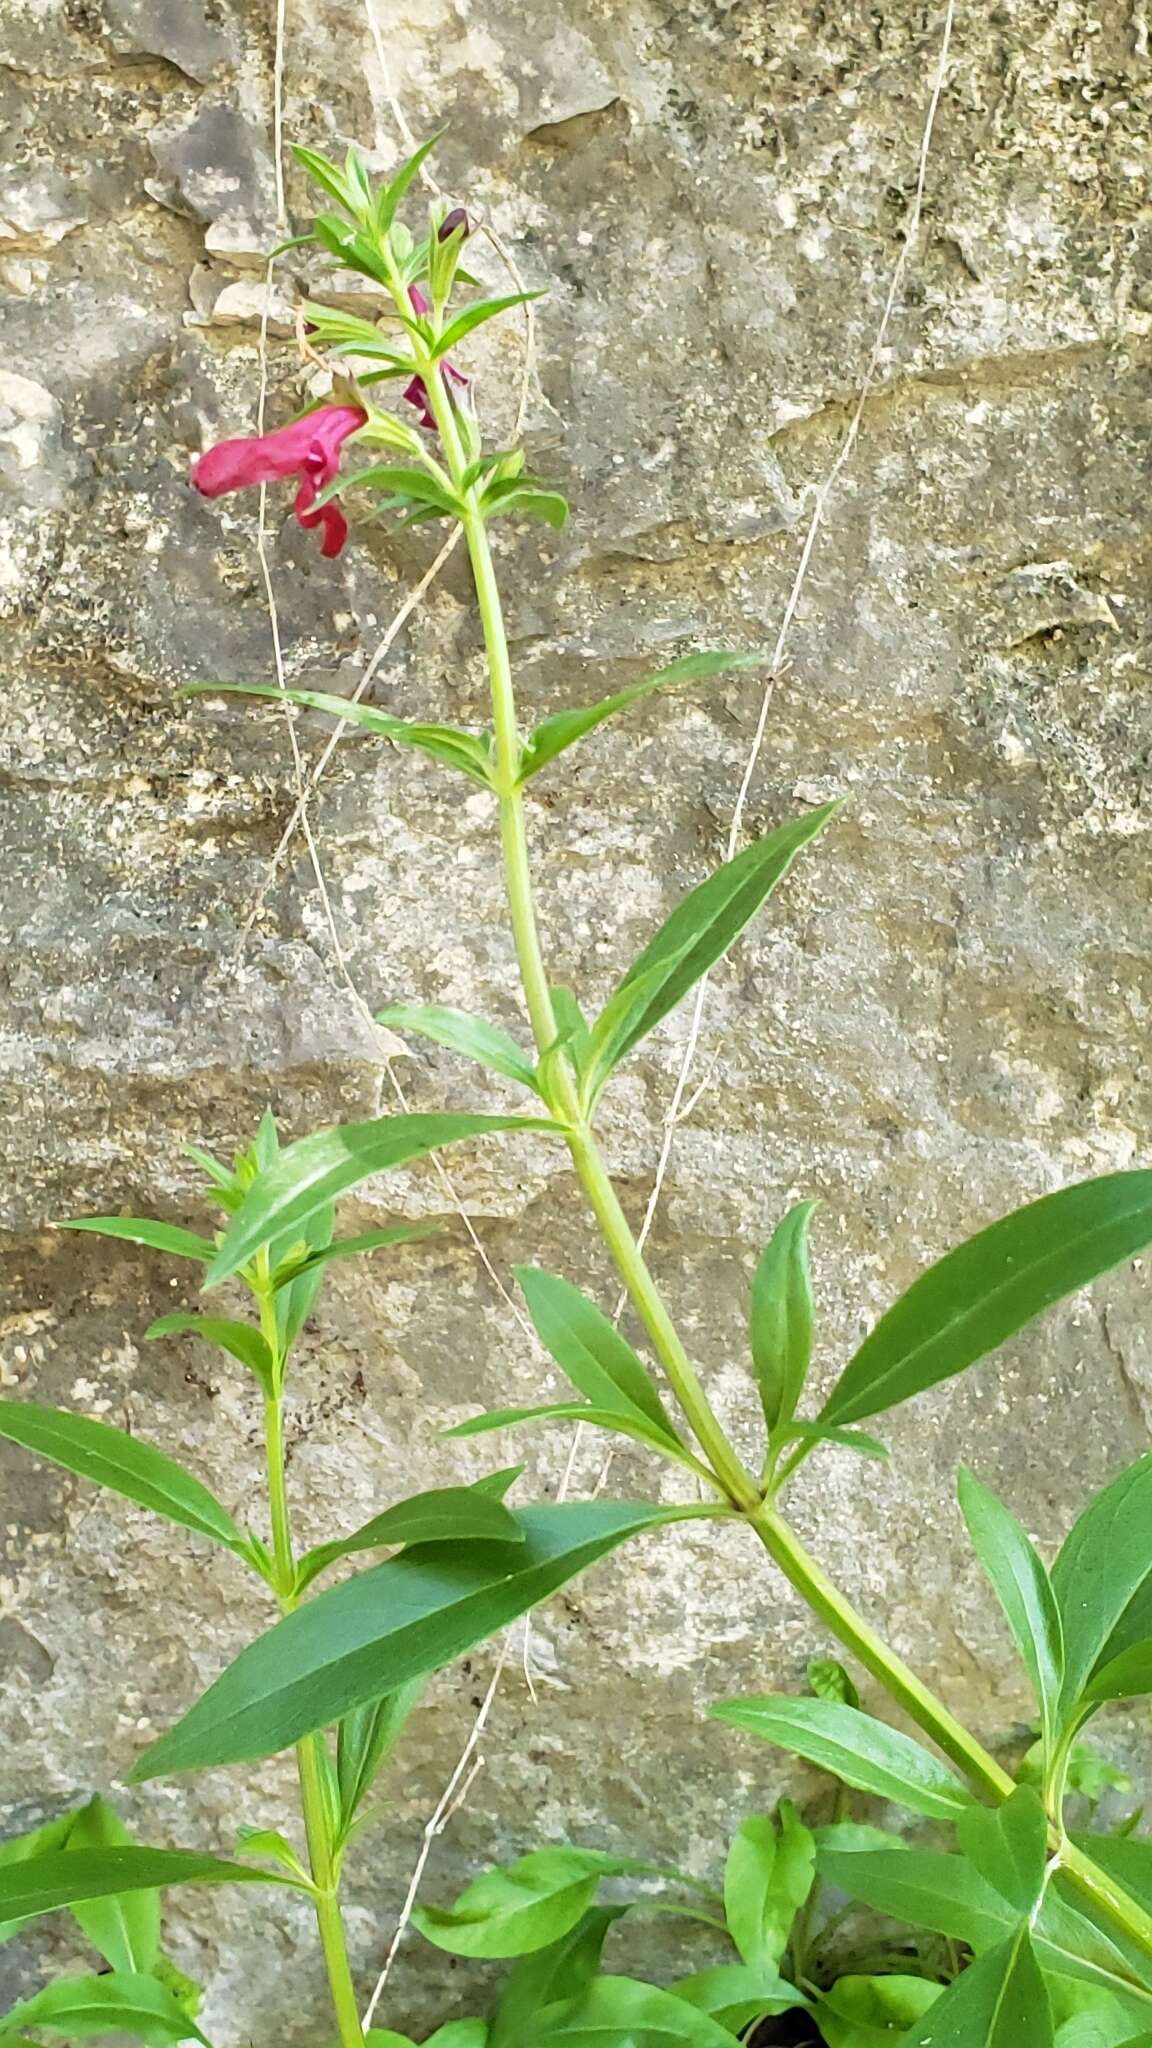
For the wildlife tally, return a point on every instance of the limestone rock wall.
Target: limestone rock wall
(945, 1013)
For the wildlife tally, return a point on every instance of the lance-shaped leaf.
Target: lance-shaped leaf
(781, 1322)
(946, 1894)
(767, 1877)
(698, 933)
(845, 1439)
(41, 1841)
(240, 1340)
(988, 1288)
(468, 752)
(365, 1740)
(389, 197)
(526, 1905)
(1126, 1677)
(124, 1926)
(159, 1237)
(1023, 1588)
(325, 174)
(403, 486)
(1008, 1845)
(112, 1458)
(525, 497)
(999, 2001)
(121, 2002)
(352, 247)
(317, 1169)
(475, 315)
(292, 1269)
(563, 728)
(874, 2012)
(562, 1970)
(634, 1425)
(736, 1995)
(618, 2010)
(855, 1748)
(591, 1351)
(386, 1627)
(1103, 1579)
(472, 1036)
(69, 1877)
(446, 1514)
(1127, 1859)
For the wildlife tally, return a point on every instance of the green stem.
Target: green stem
(781, 1542)
(311, 1757)
(828, 1603)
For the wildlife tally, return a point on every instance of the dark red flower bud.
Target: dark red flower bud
(458, 218)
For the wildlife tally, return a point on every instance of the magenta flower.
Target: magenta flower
(415, 391)
(308, 449)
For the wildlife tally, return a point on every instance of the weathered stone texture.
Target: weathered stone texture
(945, 1013)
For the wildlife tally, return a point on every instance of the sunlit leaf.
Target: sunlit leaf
(979, 1295)
(855, 1748)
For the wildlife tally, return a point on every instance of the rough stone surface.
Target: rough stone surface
(944, 1014)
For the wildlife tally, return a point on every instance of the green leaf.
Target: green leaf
(475, 316)
(1008, 1846)
(121, 2001)
(562, 1970)
(593, 1354)
(472, 1036)
(389, 198)
(349, 245)
(272, 1845)
(462, 750)
(635, 1426)
(392, 1624)
(855, 1748)
(1087, 2030)
(325, 174)
(847, 1439)
(946, 1894)
(445, 1514)
(315, 1170)
(979, 1295)
(1023, 1588)
(620, 2012)
(523, 497)
(159, 1237)
(1126, 1677)
(766, 1881)
(125, 1927)
(553, 735)
(829, 1681)
(22, 1848)
(923, 1887)
(365, 1739)
(112, 1458)
(874, 2012)
(404, 485)
(240, 1340)
(69, 1877)
(781, 1325)
(1000, 2001)
(736, 1995)
(1102, 1579)
(698, 933)
(459, 2034)
(525, 1906)
(349, 1248)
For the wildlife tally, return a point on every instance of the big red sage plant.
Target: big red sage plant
(336, 1675)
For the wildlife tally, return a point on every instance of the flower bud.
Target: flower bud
(458, 218)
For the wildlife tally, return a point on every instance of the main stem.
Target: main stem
(778, 1538)
(310, 1756)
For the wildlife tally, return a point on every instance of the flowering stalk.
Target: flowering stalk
(730, 1476)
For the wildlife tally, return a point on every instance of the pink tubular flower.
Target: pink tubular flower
(308, 449)
(415, 391)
